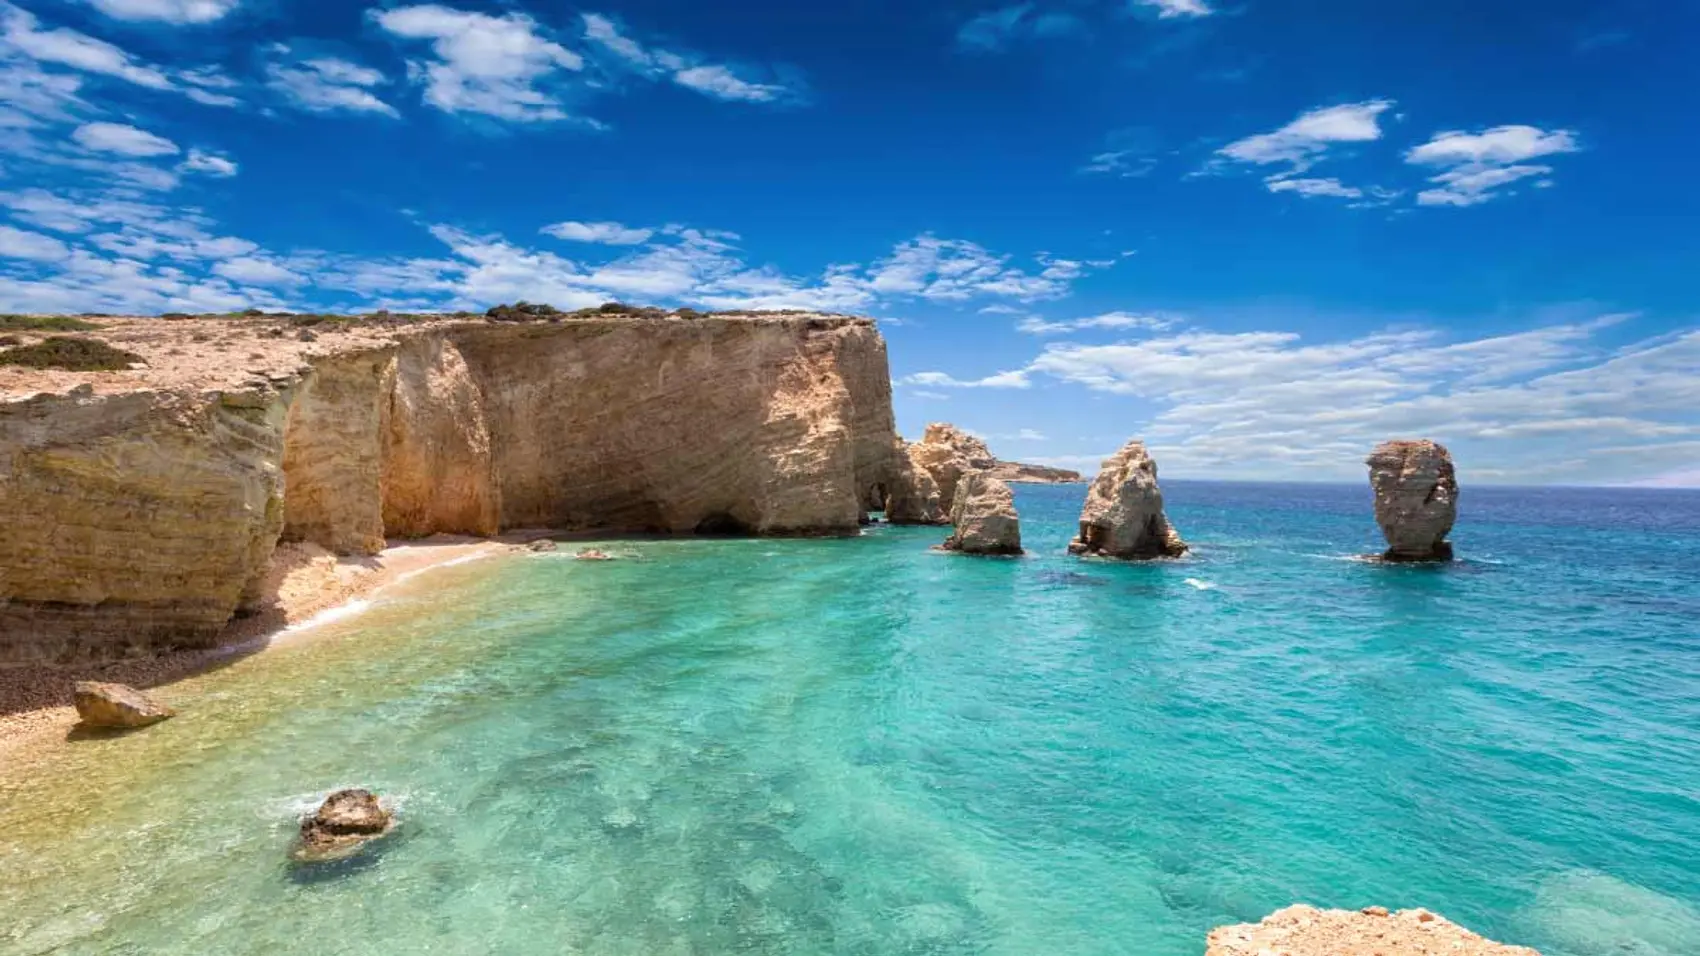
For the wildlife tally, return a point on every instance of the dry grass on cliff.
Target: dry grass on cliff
(71, 354)
(45, 323)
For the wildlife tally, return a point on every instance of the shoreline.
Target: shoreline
(306, 587)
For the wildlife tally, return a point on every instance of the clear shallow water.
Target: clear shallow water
(864, 747)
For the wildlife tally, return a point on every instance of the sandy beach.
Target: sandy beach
(305, 582)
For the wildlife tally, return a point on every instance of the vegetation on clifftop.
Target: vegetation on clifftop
(71, 354)
(45, 323)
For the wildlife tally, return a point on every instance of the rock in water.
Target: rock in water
(913, 497)
(947, 453)
(117, 706)
(343, 823)
(1308, 931)
(1416, 499)
(1123, 517)
(984, 517)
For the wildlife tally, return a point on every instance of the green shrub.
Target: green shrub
(70, 354)
(46, 323)
(6, 341)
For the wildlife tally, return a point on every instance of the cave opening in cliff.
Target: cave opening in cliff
(724, 523)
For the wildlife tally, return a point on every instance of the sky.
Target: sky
(1262, 235)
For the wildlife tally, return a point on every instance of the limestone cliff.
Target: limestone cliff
(1019, 473)
(141, 508)
(946, 453)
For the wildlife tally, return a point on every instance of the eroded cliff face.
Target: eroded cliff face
(140, 517)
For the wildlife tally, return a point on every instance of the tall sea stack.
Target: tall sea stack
(983, 514)
(1416, 499)
(1123, 517)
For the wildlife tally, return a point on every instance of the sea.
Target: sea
(865, 746)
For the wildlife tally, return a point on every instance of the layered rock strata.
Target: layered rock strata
(1308, 931)
(983, 517)
(141, 508)
(1416, 499)
(1123, 516)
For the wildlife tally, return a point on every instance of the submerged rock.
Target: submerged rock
(591, 554)
(1307, 931)
(117, 706)
(1416, 499)
(1123, 516)
(544, 546)
(347, 820)
(984, 517)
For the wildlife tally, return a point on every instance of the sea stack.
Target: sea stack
(984, 517)
(913, 497)
(947, 453)
(1416, 499)
(1123, 517)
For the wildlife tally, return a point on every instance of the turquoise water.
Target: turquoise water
(865, 747)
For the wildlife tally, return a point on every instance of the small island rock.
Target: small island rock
(984, 517)
(1123, 516)
(117, 706)
(343, 823)
(1307, 931)
(1416, 499)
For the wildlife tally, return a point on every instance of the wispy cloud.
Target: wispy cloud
(212, 164)
(1475, 167)
(491, 66)
(1116, 321)
(1125, 163)
(718, 80)
(607, 233)
(1010, 379)
(22, 35)
(166, 11)
(1303, 143)
(1177, 8)
(123, 140)
(326, 84)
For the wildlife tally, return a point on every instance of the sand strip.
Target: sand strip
(305, 581)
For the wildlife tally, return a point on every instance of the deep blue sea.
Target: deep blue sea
(863, 746)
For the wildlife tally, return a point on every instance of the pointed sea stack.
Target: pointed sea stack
(1416, 499)
(1123, 517)
(984, 517)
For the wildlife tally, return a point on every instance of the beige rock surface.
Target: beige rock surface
(983, 517)
(946, 453)
(345, 821)
(1123, 516)
(912, 496)
(1307, 931)
(143, 507)
(1017, 473)
(117, 706)
(1416, 499)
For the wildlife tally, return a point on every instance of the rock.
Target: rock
(984, 517)
(947, 453)
(1123, 516)
(912, 496)
(1017, 473)
(347, 820)
(1308, 931)
(117, 706)
(591, 554)
(1416, 499)
(544, 546)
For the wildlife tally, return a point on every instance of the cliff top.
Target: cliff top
(234, 350)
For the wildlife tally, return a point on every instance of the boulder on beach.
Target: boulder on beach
(1416, 499)
(1123, 516)
(1307, 931)
(984, 517)
(117, 706)
(347, 820)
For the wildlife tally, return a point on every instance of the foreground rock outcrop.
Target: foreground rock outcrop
(1416, 499)
(913, 495)
(346, 821)
(141, 507)
(117, 706)
(983, 517)
(946, 453)
(1308, 931)
(1123, 516)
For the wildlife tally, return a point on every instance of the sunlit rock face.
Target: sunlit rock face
(1123, 516)
(1416, 499)
(983, 517)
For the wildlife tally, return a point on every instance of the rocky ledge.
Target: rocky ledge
(1416, 499)
(1123, 516)
(1373, 931)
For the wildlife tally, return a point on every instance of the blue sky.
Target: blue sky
(1261, 234)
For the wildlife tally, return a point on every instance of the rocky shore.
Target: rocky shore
(1373, 931)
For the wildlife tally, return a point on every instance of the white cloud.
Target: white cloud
(75, 50)
(1125, 163)
(257, 271)
(1011, 379)
(1315, 187)
(953, 270)
(722, 83)
(1475, 166)
(1303, 142)
(31, 97)
(1121, 321)
(607, 233)
(492, 66)
(169, 11)
(327, 84)
(21, 244)
(212, 164)
(123, 140)
(1178, 8)
(718, 81)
